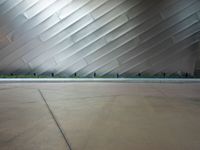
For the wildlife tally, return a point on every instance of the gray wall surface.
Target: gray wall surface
(102, 36)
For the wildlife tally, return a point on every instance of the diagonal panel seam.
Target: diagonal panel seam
(55, 120)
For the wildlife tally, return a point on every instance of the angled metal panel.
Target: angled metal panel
(107, 37)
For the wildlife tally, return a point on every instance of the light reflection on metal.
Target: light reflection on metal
(122, 37)
(40, 6)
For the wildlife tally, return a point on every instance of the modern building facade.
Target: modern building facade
(105, 37)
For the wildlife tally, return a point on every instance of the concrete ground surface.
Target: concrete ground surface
(99, 116)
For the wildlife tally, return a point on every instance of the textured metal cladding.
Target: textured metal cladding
(107, 37)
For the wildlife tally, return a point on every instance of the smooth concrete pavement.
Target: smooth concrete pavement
(99, 116)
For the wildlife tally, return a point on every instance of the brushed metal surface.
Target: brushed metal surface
(122, 37)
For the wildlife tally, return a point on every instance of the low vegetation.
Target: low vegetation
(139, 75)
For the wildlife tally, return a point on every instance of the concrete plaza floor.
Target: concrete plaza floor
(99, 116)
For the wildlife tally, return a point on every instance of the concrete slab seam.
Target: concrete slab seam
(55, 120)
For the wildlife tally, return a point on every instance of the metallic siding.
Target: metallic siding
(106, 37)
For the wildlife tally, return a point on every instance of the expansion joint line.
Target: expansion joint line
(55, 120)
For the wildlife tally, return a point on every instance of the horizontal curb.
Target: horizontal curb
(126, 80)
